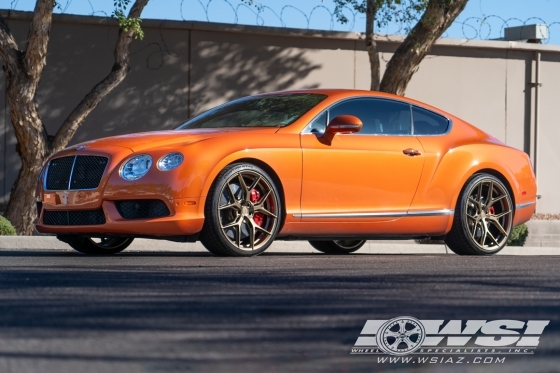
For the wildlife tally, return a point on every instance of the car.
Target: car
(334, 167)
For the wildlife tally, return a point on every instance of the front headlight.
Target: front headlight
(170, 161)
(136, 167)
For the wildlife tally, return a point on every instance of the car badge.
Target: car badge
(81, 147)
(65, 198)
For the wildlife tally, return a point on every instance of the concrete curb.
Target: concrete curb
(36, 243)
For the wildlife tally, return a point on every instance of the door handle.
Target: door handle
(411, 152)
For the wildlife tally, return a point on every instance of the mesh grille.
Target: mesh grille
(86, 172)
(59, 172)
(77, 217)
(142, 208)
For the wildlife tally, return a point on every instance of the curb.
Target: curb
(35, 243)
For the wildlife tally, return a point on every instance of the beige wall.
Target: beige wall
(182, 68)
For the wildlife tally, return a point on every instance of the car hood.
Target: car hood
(138, 142)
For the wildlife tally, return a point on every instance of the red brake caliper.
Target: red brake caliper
(259, 216)
(491, 210)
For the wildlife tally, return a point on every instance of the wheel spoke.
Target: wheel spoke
(416, 330)
(408, 342)
(402, 325)
(493, 239)
(485, 230)
(389, 333)
(497, 216)
(490, 191)
(231, 194)
(229, 206)
(254, 184)
(266, 212)
(498, 225)
(474, 201)
(233, 224)
(262, 229)
(243, 186)
(480, 194)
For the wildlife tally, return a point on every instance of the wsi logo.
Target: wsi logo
(406, 335)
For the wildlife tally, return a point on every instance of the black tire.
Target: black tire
(475, 229)
(239, 230)
(338, 247)
(106, 246)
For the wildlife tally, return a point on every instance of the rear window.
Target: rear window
(428, 123)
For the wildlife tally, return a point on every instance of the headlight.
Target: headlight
(136, 167)
(170, 161)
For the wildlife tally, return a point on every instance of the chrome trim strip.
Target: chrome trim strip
(418, 213)
(431, 212)
(523, 205)
(72, 172)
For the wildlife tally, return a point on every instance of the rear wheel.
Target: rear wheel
(338, 247)
(242, 212)
(483, 217)
(98, 246)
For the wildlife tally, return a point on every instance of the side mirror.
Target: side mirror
(342, 124)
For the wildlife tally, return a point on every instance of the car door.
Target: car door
(366, 175)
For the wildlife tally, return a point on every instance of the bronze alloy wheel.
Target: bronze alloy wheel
(483, 218)
(244, 213)
(338, 247)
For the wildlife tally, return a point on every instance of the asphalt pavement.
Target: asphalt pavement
(61, 311)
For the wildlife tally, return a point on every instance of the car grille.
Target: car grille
(75, 217)
(142, 208)
(75, 172)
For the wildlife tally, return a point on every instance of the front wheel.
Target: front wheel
(483, 217)
(97, 246)
(242, 212)
(338, 247)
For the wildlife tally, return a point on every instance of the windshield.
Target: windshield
(261, 111)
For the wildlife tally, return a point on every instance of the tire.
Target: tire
(483, 218)
(338, 247)
(242, 212)
(105, 246)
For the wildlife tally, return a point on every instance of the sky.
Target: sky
(481, 19)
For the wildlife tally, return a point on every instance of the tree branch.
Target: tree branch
(9, 49)
(371, 44)
(116, 76)
(38, 41)
(439, 15)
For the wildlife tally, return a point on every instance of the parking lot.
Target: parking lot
(188, 311)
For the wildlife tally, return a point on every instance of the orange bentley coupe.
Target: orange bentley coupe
(334, 167)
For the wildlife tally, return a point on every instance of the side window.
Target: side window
(428, 123)
(380, 117)
(318, 125)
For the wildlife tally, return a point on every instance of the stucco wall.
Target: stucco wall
(182, 68)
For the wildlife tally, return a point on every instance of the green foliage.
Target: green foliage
(403, 12)
(6, 228)
(518, 235)
(126, 23)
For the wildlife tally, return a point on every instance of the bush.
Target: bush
(518, 235)
(6, 228)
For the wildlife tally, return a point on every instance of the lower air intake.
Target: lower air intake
(75, 217)
(142, 208)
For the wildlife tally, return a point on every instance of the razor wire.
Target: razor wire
(486, 27)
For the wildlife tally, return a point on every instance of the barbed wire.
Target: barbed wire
(487, 27)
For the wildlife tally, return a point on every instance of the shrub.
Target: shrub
(518, 235)
(6, 228)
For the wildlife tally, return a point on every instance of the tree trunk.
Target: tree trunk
(371, 45)
(439, 15)
(23, 72)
